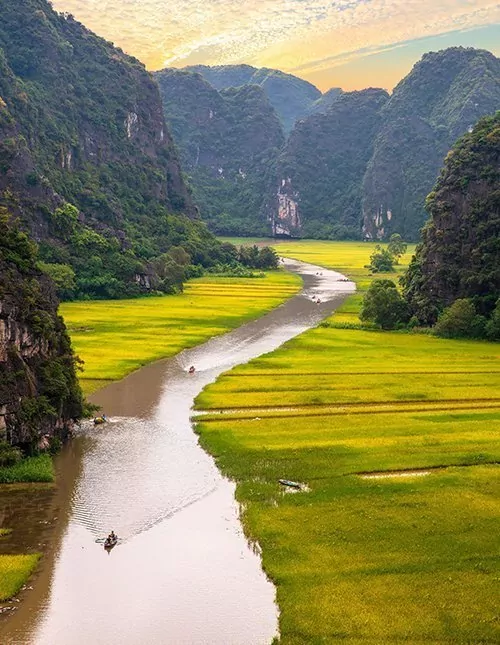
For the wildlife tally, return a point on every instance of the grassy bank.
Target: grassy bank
(400, 557)
(14, 572)
(31, 469)
(117, 337)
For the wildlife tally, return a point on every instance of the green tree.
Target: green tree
(384, 305)
(396, 247)
(63, 277)
(493, 325)
(381, 260)
(460, 320)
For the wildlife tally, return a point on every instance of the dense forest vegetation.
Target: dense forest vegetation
(228, 142)
(458, 260)
(87, 163)
(39, 391)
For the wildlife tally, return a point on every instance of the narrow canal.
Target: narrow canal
(182, 572)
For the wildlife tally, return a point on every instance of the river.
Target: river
(183, 572)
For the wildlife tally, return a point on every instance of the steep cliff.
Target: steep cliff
(443, 96)
(228, 141)
(319, 173)
(39, 392)
(290, 96)
(82, 123)
(459, 256)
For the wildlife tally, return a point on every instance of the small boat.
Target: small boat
(192, 370)
(109, 543)
(290, 484)
(100, 420)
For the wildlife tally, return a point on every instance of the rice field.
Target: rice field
(15, 570)
(408, 555)
(116, 337)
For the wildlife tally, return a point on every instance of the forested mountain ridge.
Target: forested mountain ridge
(228, 142)
(86, 160)
(443, 96)
(459, 256)
(291, 97)
(317, 190)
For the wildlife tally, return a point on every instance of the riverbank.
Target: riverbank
(391, 539)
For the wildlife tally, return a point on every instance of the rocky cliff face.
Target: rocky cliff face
(459, 256)
(443, 97)
(81, 122)
(39, 393)
(228, 141)
(290, 96)
(319, 173)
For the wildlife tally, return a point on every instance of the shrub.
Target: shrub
(493, 325)
(381, 261)
(460, 320)
(384, 305)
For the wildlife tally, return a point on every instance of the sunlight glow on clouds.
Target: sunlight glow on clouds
(306, 37)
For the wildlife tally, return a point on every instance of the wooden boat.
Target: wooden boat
(290, 484)
(110, 543)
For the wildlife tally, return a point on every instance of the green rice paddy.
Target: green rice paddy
(15, 570)
(402, 557)
(117, 337)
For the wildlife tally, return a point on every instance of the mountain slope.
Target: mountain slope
(319, 173)
(459, 256)
(228, 142)
(442, 97)
(289, 95)
(82, 123)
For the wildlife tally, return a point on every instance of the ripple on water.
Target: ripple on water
(153, 461)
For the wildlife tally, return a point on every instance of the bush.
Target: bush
(493, 325)
(460, 320)
(384, 305)
(381, 260)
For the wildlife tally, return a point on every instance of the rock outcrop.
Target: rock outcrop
(39, 392)
(459, 256)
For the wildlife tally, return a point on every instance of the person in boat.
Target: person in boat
(191, 369)
(112, 537)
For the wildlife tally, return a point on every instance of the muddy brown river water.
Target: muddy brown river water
(183, 572)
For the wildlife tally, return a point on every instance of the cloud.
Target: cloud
(301, 35)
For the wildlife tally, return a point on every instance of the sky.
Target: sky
(332, 43)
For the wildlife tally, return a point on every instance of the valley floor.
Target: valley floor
(407, 554)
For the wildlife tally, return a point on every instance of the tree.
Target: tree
(493, 326)
(396, 247)
(384, 305)
(460, 320)
(381, 261)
